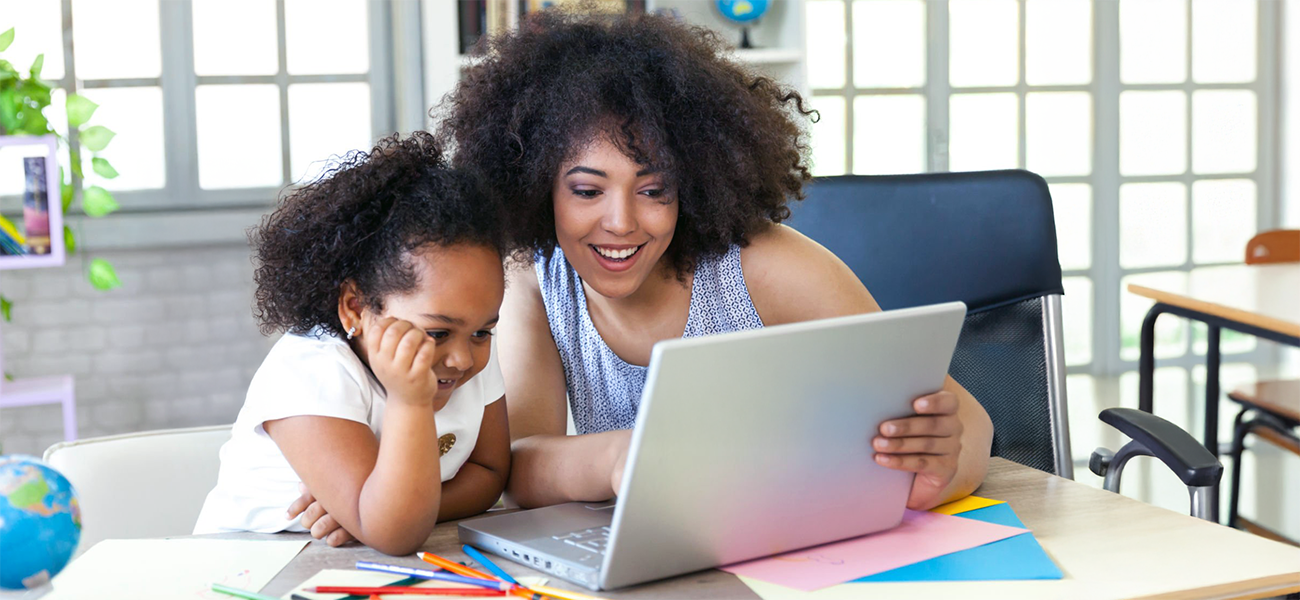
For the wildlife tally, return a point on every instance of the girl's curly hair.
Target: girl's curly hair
(729, 141)
(360, 222)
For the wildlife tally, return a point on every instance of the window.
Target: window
(1151, 120)
(216, 103)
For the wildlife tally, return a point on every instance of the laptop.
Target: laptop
(746, 445)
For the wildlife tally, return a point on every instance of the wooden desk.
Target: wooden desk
(1108, 546)
(1259, 300)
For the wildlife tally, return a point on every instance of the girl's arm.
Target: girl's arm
(386, 494)
(480, 481)
(549, 467)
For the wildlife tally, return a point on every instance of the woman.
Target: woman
(646, 177)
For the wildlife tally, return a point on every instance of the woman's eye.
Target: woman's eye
(586, 193)
(654, 193)
(437, 334)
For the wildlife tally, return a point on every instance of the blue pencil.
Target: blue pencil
(487, 564)
(426, 574)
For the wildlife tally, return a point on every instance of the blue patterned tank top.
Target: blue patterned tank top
(604, 390)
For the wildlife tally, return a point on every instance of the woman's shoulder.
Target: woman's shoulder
(792, 278)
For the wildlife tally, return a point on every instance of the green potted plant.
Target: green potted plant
(23, 101)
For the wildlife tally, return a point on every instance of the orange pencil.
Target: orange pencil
(456, 568)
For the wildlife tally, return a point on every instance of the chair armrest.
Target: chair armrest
(1181, 452)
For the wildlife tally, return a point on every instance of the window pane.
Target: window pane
(326, 120)
(1058, 130)
(1171, 334)
(1086, 430)
(889, 134)
(888, 43)
(1223, 41)
(827, 46)
(238, 149)
(135, 114)
(984, 132)
(1076, 320)
(118, 39)
(256, 53)
(1072, 207)
(1153, 41)
(1058, 42)
(1223, 131)
(1231, 376)
(326, 36)
(828, 136)
(1152, 224)
(985, 47)
(1152, 133)
(38, 29)
(1210, 283)
(1223, 219)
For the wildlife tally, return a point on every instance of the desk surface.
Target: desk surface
(1109, 546)
(1265, 296)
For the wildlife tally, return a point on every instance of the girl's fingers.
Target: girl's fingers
(339, 537)
(407, 346)
(301, 503)
(323, 527)
(425, 355)
(376, 333)
(312, 514)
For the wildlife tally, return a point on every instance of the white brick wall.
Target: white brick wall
(175, 346)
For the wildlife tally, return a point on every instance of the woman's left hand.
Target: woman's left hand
(927, 444)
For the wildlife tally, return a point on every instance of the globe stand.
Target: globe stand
(745, 44)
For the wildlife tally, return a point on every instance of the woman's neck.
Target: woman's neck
(655, 297)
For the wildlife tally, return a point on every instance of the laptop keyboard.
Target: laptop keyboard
(593, 540)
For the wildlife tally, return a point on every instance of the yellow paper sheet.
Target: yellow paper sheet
(966, 504)
(372, 579)
(171, 569)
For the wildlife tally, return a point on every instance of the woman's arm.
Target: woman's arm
(791, 279)
(386, 494)
(480, 481)
(549, 467)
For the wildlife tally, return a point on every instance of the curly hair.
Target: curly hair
(729, 141)
(360, 222)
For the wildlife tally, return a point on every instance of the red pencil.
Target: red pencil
(399, 590)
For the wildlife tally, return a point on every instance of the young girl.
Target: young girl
(383, 398)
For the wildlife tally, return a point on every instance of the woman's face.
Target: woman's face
(614, 218)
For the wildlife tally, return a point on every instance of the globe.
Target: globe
(742, 11)
(40, 522)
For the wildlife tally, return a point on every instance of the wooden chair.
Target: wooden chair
(1273, 407)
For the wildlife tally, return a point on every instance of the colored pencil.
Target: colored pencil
(491, 584)
(487, 564)
(238, 593)
(403, 590)
(456, 568)
(562, 594)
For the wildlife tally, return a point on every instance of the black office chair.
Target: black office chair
(988, 239)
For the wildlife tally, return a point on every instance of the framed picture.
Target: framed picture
(33, 238)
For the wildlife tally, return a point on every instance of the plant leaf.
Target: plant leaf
(69, 240)
(6, 38)
(79, 110)
(67, 196)
(96, 138)
(37, 65)
(6, 306)
(97, 202)
(102, 167)
(103, 276)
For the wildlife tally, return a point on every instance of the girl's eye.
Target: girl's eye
(483, 334)
(438, 334)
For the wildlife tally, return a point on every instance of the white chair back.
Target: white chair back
(140, 485)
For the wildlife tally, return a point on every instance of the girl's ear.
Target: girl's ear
(350, 308)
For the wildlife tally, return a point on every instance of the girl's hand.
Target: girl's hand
(927, 444)
(315, 519)
(401, 356)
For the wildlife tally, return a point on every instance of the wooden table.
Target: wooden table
(1108, 546)
(1258, 300)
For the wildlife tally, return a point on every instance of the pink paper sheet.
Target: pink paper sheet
(922, 536)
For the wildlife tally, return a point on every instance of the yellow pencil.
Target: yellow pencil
(563, 594)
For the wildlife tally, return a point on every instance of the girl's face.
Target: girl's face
(614, 218)
(456, 302)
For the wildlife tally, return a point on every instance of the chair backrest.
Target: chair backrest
(1277, 246)
(987, 239)
(140, 485)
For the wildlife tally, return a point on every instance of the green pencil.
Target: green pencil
(238, 593)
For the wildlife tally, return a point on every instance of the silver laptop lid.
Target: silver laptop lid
(759, 442)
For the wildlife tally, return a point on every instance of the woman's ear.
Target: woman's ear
(350, 308)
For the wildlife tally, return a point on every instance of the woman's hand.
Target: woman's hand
(928, 444)
(401, 356)
(315, 519)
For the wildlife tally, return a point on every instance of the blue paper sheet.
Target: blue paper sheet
(1018, 557)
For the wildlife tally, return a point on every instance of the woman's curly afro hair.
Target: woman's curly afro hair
(729, 141)
(360, 222)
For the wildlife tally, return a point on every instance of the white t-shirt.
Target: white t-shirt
(320, 375)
